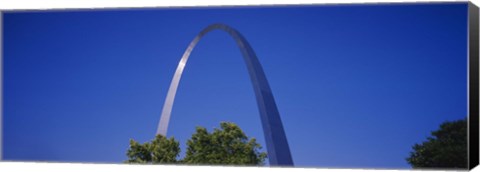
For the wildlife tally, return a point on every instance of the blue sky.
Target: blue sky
(356, 85)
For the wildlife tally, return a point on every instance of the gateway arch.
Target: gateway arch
(277, 146)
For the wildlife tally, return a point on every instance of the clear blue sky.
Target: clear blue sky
(356, 85)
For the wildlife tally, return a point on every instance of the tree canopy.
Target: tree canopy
(159, 150)
(446, 148)
(228, 145)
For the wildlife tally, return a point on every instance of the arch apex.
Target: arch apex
(277, 145)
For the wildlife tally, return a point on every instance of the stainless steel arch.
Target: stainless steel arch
(277, 145)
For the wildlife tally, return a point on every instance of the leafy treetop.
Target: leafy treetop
(446, 148)
(225, 146)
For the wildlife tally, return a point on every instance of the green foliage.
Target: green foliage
(228, 145)
(225, 146)
(159, 150)
(446, 148)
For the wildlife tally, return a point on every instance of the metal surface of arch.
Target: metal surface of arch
(277, 145)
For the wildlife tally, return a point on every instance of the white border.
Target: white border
(88, 4)
(77, 167)
(9, 5)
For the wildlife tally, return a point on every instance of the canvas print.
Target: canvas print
(371, 86)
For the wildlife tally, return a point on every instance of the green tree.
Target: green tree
(159, 150)
(226, 146)
(446, 148)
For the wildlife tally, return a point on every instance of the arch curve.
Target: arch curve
(277, 146)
